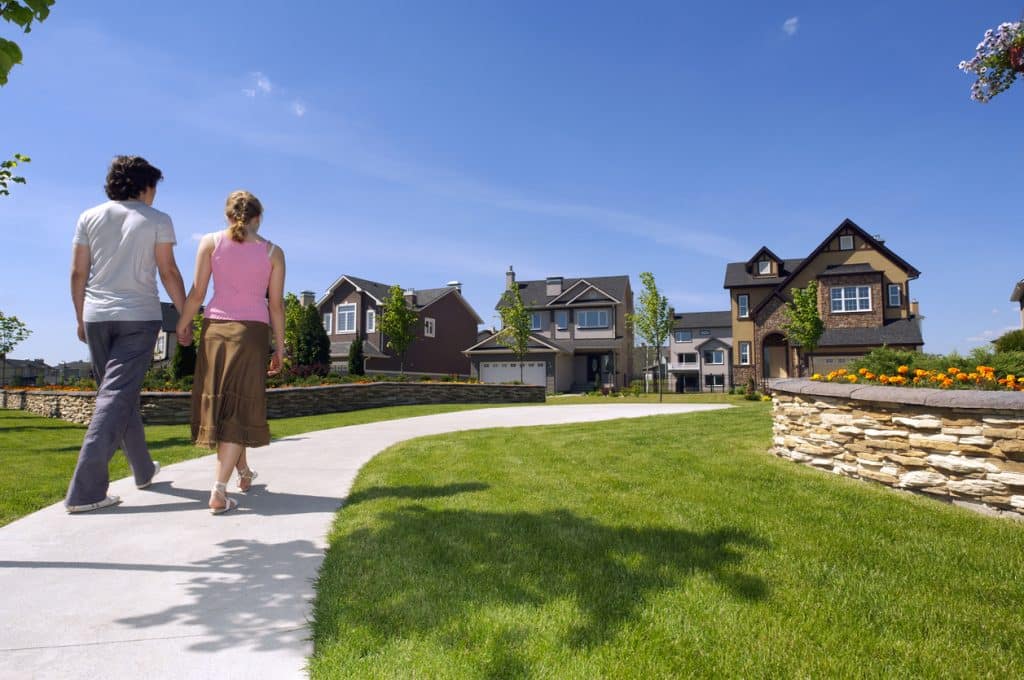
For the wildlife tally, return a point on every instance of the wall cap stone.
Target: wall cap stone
(958, 399)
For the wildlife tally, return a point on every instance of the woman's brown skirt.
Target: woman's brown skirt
(229, 391)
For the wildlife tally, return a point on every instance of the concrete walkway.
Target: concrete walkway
(159, 588)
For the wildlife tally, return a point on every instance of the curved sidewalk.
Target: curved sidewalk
(159, 588)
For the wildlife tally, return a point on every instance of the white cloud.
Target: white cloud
(249, 92)
(989, 335)
(790, 26)
(299, 109)
(197, 237)
(263, 83)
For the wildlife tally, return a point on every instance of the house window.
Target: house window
(705, 332)
(684, 336)
(851, 299)
(764, 267)
(744, 353)
(429, 327)
(535, 321)
(714, 380)
(714, 356)
(845, 243)
(371, 320)
(346, 317)
(894, 294)
(327, 321)
(743, 305)
(592, 318)
(561, 319)
(688, 358)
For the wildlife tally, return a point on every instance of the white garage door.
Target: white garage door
(508, 371)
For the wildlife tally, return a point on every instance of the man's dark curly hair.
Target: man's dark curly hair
(129, 176)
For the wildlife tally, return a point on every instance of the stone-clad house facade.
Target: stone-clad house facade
(863, 299)
(447, 324)
(579, 336)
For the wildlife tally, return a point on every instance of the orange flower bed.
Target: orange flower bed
(983, 377)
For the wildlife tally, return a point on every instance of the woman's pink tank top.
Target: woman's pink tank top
(241, 276)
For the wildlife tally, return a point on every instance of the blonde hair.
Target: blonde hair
(240, 209)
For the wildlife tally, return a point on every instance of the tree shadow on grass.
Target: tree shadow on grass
(424, 571)
(413, 492)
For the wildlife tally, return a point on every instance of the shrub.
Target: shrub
(1010, 342)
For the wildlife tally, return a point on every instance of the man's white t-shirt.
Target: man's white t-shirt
(121, 236)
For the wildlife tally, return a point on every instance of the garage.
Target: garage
(534, 372)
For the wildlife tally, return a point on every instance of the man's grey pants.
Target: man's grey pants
(121, 353)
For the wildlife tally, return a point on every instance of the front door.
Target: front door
(776, 364)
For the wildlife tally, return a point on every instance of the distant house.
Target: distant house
(579, 338)
(863, 299)
(1018, 297)
(167, 339)
(701, 351)
(26, 373)
(447, 324)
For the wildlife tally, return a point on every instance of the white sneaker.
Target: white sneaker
(105, 503)
(156, 471)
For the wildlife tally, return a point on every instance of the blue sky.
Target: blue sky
(416, 143)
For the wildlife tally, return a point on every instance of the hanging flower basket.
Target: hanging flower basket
(999, 58)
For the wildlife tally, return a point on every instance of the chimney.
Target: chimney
(915, 309)
(410, 296)
(554, 286)
(307, 298)
(457, 285)
(510, 278)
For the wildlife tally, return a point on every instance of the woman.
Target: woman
(229, 405)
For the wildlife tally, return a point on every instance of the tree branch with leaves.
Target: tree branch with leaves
(398, 324)
(653, 321)
(803, 326)
(12, 332)
(515, 326)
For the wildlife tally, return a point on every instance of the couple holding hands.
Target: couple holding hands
(119, 247)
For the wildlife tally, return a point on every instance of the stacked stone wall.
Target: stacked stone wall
(172, 408)
(965, 447)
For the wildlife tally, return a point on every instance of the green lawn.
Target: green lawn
(38, 455)
(671, 546)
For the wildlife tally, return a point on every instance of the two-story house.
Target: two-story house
(1018, 296)
(447, 324)
(579, 336)
(700, 351)
(863, 299)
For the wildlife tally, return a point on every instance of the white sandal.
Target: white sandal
(245, 477)
(220, 490)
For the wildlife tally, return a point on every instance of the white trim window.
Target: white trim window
(327, 321)
(536, 321)
(345, 317)
(745, 353)
(371, 320)
(714, 380)
(688, 358)
(562, 319)
(743, 306)
(714, 356)
(846, 242)
(764, 267)
(851, 299)
(684, 336)
(429, 327)
(895, 295)
(592, 318)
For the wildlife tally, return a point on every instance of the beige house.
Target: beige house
(863, 299)
(1018, 297)
(579, 336)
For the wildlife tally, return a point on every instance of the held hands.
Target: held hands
(184, 332)
(276, 362)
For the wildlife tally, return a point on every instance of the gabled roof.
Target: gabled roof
(493, 345)
(703, 320)
(370, 350)
(707, 341)
(847, 223)
(534, 293)
(897, 332)
(1018, 292)
(758, 256)
(379, 292)
(737, 274)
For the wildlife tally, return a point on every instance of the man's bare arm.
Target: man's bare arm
(170, 275)
(81, 261)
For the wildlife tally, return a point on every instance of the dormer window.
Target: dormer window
(846, 243)
(764, 267)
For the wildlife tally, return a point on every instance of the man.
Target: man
(118, 248)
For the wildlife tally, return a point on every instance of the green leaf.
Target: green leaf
(22, 158)
(10, 55)
(18, 180)
(41, 8)
(18, 14)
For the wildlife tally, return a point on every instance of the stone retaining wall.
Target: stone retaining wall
(170, 408)
(962, 446)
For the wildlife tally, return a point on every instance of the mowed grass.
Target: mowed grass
(664, 547)
(38, 455)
